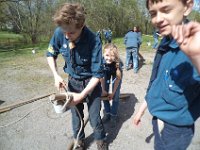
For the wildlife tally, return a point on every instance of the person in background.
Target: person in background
(82, 52)
(112, 75)
(132, 41)
(108, 36)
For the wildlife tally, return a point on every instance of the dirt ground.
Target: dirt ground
(42, 129)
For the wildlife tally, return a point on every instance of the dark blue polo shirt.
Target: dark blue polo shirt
(174, 91)
(84, 60)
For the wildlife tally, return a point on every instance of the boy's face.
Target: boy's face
(166, 13)
(72, 33)
(108, 56)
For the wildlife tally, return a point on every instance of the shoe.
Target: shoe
(131, 66)
(135, 71)
(101, 145)
(106, 118)
(80, 145)
(126, 69)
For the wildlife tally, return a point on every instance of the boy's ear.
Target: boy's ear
(188, 7)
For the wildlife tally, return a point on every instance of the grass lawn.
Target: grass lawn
(14, 42)
(9, 35)
(25, 50)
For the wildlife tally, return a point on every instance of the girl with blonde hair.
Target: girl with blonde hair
(112, 75)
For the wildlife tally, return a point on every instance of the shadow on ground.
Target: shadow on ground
(141, 62)
(126, 110)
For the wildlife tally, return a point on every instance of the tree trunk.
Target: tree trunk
(34, 39)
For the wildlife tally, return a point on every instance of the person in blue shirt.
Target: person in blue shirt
(140, 57)
(173, 94)
(112, 75)
(82, 53)
(132, 41)
(108, 36)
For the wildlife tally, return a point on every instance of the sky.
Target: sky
(197, 5)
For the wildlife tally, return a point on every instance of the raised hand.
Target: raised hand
(188, 37)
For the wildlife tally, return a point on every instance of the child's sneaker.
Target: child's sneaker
(80, 145)
(101, 145)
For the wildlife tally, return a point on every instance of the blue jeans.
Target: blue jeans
(155, 44)
(111, 109)
(134, 53)
(94, 106)
(172, 137)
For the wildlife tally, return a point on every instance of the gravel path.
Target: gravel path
(42, 129)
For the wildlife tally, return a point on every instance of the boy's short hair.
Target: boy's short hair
(70, 13)
(156, 1)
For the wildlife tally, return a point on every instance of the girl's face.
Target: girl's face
(166, 13)
(109, 56)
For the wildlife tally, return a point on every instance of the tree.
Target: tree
(29, 17)
(33, 18)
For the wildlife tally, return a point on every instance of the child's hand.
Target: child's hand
(104, 93)
(137, 118)
(188, 36)
(110, 96)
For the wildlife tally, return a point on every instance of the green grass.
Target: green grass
(12, 45)
(22, 55)
(14, 42)
(25, 50)
(9, 35)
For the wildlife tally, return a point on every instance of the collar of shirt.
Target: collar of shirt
(168, 44)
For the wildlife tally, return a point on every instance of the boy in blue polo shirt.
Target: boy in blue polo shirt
(173, 95)
(82, 52)
(132, 41)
